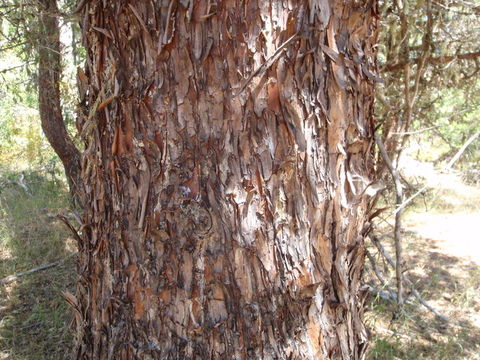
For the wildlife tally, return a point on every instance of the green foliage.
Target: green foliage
(22, 143)
(20, 31)
(443, 82)
(384, 349)
(26, 199)
(456, 113)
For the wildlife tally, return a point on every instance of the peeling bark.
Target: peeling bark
(49, 72)
(226, 210)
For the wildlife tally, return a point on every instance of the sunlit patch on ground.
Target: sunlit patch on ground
(456, 234)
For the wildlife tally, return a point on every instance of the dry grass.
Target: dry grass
(33, 314)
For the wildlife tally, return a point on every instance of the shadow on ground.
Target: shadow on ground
(451, 284)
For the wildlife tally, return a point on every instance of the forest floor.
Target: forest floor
(442, 258)
(442, 254)
(34, 316)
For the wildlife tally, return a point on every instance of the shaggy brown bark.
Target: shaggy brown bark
(49, 72)
(228, 152)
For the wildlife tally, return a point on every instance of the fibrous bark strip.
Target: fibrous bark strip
(226, 210)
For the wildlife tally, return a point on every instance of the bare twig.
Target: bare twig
(462, 150)
(409, 200)
(434, 60)
(398, 217)
(72, 229)
(392, 263)
(415, 132)
(23, 184)
(375, 269)
(16, 67)
(394, 333)
(384, 294)
(14, 277)
(20, 183)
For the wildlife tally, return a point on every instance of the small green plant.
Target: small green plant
(384, 349)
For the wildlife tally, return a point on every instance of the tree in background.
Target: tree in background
(430, 63)
(428, 52)
(228, 150)
(49, 74)
(32, 31)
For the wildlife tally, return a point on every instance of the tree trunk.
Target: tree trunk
(228, 149)
(49, 73)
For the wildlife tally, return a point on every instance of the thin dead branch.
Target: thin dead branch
(72, 229)
(434, 60)
(16, 276)
(462, 150)
(416, 132)
(379, 276)
(415, 292)
(393, 333)
(398, 216)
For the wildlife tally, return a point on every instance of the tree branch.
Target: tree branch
(398, 216)
(14, 277)
(415, 292)
(433, 60)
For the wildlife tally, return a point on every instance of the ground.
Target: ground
(34, 317)
(442, 257)
(442, 253)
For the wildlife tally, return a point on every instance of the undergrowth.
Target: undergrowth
(442, 259)
(34, 317)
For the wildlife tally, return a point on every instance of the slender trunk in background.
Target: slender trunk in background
(228, 147)
(49, 74)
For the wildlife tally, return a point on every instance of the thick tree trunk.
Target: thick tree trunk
(228, 150)
(49, 73)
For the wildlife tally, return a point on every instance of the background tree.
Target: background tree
(429, 60)
(49, 75)
(32, 30)
(429, 54)
(228, 150)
